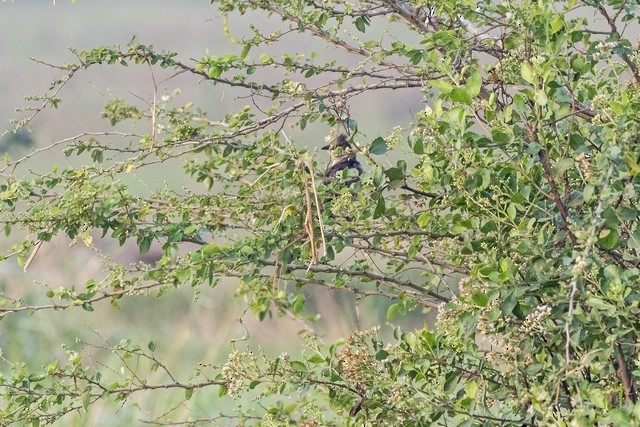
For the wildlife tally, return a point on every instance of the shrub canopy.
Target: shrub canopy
(507, 205)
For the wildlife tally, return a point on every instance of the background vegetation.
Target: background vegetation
(183, 260)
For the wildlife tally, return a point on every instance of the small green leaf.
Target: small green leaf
(471, 388)
(188, 393)
(144, 243)
(609, 239)
(441, 85)
(392, 312)
(541, 98)
(222, 390)
(86, 398)
(316, 359)
(394, 174)
(509, 303)
(298, 305)
(459, 94)
(480, 299)
(378, 146)
(298, 366)
(423, 219)
(418, 146)
(601, 305)
(526, 71)
(37, 377)
(382, 355)
(380, 208)
(474, 84)
(245, 51)
(182, 274)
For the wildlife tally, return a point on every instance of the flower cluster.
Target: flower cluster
(534, 320)
(239, 367)
(585, 165)
(357, 363)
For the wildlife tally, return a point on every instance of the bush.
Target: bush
(508, 205)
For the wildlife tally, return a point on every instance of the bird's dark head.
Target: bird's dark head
(339, 141)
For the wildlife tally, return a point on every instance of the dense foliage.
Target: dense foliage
(508, 204)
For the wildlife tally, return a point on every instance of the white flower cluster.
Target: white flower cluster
(605, 46)
(240, 367)
(533, 322)
(579, 266)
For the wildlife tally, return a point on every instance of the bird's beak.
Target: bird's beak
(326, 147)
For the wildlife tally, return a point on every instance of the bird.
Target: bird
(343, 156)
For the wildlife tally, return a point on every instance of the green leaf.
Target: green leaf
(609, 238)
(459, 228)
(316, 359)
(222, 390)
(382, 355)
(509, 303)
(417, 144)
(459, 94)
(298, 305)
(392, 312)
(378, 146)
(423, 219)
(631, 162)
(557, 23)
(144, 243)
(298, 366)
(601, 305)
(471, 388)
(188, 393)
(394, 174)
(86, 398)
(441, 85)
(526, 71)
(616, 107)
(245, 51)
(540, 97)
(182, 274)
(474, 84)
(37, 377)
(380, 208)
(480, 299)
